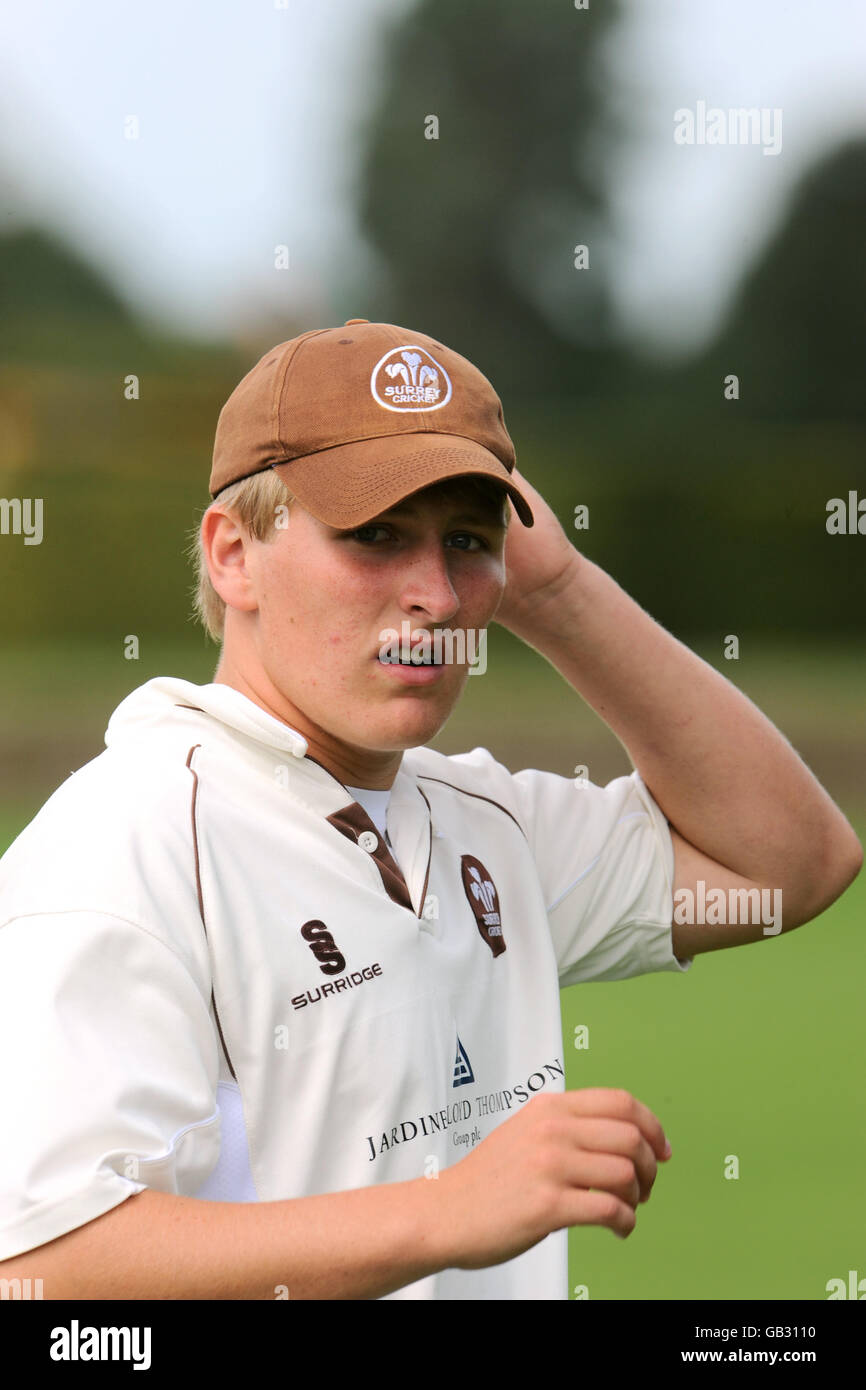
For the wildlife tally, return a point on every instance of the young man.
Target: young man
(279, 982)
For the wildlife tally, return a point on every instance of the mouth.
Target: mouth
(416, 662)
(417, 650)
(410, 661)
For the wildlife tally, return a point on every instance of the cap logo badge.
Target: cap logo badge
(408, 378)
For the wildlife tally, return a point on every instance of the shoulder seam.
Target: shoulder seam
(478, 795)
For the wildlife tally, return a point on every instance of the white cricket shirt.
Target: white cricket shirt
(202, 921)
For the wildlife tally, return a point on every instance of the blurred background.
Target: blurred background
(183, 187)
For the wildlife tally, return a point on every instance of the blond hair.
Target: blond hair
(253, 502)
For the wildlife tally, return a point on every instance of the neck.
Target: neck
(374, 769)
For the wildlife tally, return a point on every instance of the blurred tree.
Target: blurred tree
(477, 228)
(795, 334)
(45, 289)
(40, 273)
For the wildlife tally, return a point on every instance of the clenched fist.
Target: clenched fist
(585, 1158)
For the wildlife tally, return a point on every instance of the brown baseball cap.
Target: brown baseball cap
(354, 419)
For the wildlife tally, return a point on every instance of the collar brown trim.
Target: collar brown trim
(352, 821)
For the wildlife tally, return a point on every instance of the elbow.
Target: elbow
(832, 871)
(847, 861)
(855, 861)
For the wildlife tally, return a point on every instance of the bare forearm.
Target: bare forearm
(347, 1245)
(724, 776)
(580, 1158)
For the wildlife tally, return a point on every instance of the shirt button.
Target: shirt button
(368, 841)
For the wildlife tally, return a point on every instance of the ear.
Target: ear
(228, 548)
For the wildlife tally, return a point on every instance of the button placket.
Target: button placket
(353, 822)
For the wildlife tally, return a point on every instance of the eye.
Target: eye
(366, 534)
(477, 542)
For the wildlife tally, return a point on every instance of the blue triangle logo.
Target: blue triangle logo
(463, 1073)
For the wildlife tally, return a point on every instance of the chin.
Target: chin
(408, 728)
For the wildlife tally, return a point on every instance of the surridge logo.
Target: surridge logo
(409, 378)
(484, 900)
(330, 957)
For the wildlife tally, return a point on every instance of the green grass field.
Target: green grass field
(757, 1052)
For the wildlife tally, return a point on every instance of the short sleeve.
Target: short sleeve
(110, 1072)
(605, 861)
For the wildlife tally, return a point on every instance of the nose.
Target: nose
(427, 592)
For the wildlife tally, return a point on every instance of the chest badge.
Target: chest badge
(484, 900)
(328, 954)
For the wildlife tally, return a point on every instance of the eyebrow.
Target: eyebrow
(475, 517)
